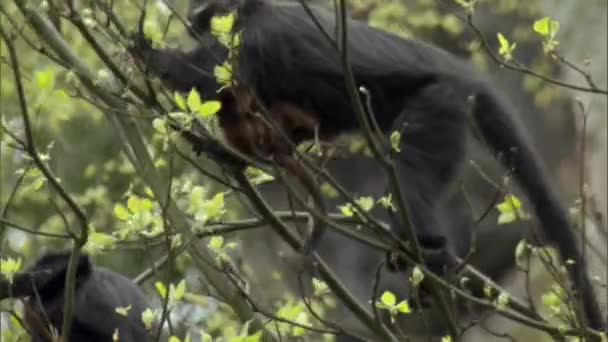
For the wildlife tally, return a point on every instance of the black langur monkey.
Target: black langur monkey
(292, 69)
(99, 292)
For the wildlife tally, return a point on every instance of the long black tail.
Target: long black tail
(504, 135)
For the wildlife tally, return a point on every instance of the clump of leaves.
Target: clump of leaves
(10, 266)
(547, 28)
(505, 48)
(365, 203)
(511, 210)
(388, 301)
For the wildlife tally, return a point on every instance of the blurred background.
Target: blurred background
(86, 157)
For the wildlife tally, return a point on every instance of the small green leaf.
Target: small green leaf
(98, 241)
(546, 27)
(387, 202)
(257, 176)
(346, 210)
(209, 108)
(222, 24)
(446, 339)
(510, 210)
(388, 298)
(502, 301)
(160, 125)
(174, 339)
(551, 299)
(328, 190)
(404, 307)
(180, 290)
(134, 204)
(182, 118)
(121, 212)
(194, 100)
(162, 290)
(10, 266)
(216, 243)
(488, 291)
(396, 141)
(123, 310)
(366, 203)
(39, 183)
(180, 101)
(417, 276)
(147, 317)
(320, 287)
(506, 49)
(214, 208)
(468, 5)
(223, 73)
(176, 241)
(522, 254)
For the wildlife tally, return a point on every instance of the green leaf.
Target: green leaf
(346, 210)
(209, 108)
(39, 183)
(404, 307)
(10, 266)
(134, 204)
(366, 203)
(504, 44)
(328, 190)
(522, 254)
(320, 287)
(223, 73)
(180, 290)
(551, 299)
(417, 276)
(257, 176)
(222, 24)
(160, 125)
(121, 212)
(387, 202)
(194, 100)
(147, 317)
(180, 101)
(216, 243)
(510, 210)
(123, 310)
(388, 298)
(174, 339)
(468, 5)
(162, 290)
(506, 49)
(396, 140)
(502, 301)
(98, 241)
(446, 339)
(546, 27)
(215, 207)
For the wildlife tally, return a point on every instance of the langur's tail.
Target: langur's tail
(503, 133)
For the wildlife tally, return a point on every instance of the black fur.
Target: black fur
(415, 87)
(98, 293)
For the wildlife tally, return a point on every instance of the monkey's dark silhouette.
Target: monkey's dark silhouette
(99, 292)
(287, 63)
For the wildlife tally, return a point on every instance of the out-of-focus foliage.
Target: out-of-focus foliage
(81, 148)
